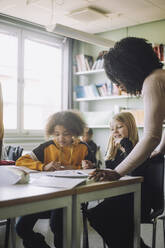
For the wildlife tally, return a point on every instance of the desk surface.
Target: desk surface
(27, 193)
(95, 186)
(16, 200)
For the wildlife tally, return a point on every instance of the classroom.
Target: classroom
(65, 57)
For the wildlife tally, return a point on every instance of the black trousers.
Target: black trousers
(113, 220)
(31, 239)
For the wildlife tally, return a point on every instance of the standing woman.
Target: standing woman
(135, 68)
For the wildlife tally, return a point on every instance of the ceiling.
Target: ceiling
(114, 13)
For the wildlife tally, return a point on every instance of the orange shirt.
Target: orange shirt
(51, 151)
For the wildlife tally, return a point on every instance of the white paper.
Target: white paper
(57, 182)
(22, 168)
(68, 173)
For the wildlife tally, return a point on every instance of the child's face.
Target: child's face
(86, 137)
(62, 136)
(118, 129)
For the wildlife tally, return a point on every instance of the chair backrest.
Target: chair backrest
(153, 187)
(13, 152)
(155, 180)
(98, 157)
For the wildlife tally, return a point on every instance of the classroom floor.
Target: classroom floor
(94, 239)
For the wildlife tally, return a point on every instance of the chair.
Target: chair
(98, 157)
(10, 226)
(13, 152)
(84, 206)
(152, 196)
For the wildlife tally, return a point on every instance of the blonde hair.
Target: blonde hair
(128, 119)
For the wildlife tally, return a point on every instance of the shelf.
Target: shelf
(99, 126)
(104, 98)
(107, 126)
(88, 72)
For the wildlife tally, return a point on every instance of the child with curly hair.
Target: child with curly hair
(64, 151)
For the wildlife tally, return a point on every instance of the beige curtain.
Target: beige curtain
(1, 121)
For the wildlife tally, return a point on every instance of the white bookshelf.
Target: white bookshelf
(107, 126)
(104, 98)
(88, 72)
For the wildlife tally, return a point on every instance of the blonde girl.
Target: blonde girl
(124, 136)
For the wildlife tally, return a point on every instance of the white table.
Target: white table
(18, 200)
(100, 190)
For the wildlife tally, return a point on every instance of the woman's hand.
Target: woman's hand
(104, 175)
(154, 153)
(52, 166)
(86, 164)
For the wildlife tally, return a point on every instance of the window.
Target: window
(42, 83)
(8, 78)
(31, 78)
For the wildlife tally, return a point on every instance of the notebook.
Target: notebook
(57, 182)
(68, 173)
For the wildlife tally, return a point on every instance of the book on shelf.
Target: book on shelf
(159, 49)
(102, 89)
(99, 62)
(91, 91)
(97, 90)
(89, 61)
(84, 62)
(80, 91)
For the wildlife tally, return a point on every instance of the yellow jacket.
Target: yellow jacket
(51, 151)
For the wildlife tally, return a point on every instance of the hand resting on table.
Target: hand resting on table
(104, 175)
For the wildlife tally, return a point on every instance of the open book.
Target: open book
(68, 173)
(57, 182)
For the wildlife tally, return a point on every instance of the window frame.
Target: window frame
(24, 30)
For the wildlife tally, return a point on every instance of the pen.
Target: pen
(80, 173)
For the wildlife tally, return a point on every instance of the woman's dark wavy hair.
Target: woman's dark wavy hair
(130, 62)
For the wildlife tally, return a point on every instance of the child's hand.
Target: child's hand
(86, 164)
(52, 166)
(117, 141)
(118, 145)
